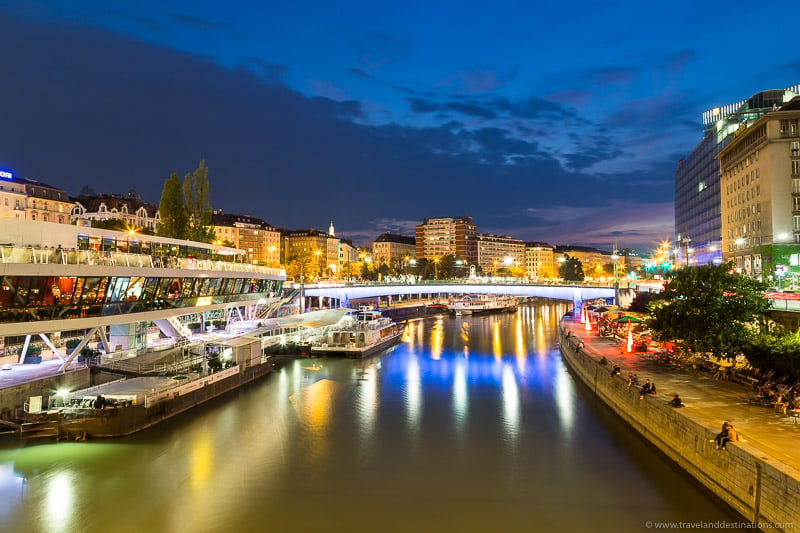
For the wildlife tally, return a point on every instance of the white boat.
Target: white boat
(358, 334)
(483, 303)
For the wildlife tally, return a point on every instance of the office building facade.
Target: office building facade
(698, 212)
(760, 195)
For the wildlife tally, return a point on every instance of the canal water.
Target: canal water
(469, 424)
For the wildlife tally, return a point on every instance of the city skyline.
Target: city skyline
(539, 127)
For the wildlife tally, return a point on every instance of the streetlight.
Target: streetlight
(615, 257)
(317, 253)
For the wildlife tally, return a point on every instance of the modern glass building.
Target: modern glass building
(698, 215)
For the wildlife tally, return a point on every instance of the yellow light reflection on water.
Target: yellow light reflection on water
(437, 337)
(58, 502)
(497, 346)
(367, 406)
(313, 406)
(465, 332)
(519, 342)
(200, 461)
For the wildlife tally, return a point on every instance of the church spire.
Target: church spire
(331, 231)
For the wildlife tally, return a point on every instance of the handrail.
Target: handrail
(33, 255)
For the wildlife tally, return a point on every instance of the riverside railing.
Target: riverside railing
(33, 255)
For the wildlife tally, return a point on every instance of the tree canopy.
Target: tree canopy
(571, 269)
(174, 220)
(709, 308)
(185, 208)
(198, 204)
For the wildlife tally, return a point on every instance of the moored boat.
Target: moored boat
(483, 303)
(358, 334)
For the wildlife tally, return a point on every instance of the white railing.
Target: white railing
(31, 255)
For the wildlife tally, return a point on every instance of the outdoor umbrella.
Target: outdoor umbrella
(601, 310)
(627, 319)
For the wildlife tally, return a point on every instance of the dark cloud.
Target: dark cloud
(527, 108)
(271, 72)
(196, 22)
(82, 106)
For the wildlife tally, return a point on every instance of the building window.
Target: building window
(796, 222)
(795, 148)
(795, 203)
(796, 185)
(796, 168)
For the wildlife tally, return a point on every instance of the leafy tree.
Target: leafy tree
(571, 269)
(310, 267)
(709, 308)
(174, 221)
(640, 301)
(771, 350)
(198, 204)
(516, 271)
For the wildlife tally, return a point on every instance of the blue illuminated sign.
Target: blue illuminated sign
(7, 174)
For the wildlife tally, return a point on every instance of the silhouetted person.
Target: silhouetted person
(676, 401)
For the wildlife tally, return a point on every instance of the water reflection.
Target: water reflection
(472, 423)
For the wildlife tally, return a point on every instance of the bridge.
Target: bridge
(575, 293)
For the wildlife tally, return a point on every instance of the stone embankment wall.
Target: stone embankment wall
(13, 398)
(758, 487)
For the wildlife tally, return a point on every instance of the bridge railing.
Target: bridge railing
(457, 281)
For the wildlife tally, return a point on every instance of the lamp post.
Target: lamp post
(302, 296)
(317, 254)
(615, 257)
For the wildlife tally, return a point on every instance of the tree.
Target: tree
(640, 301)
(310, 266)
(571, 269)
(775, 351)
(174, 221)
(198, 204)
(709, 308)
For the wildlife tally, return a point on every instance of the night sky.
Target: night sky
(555, 121)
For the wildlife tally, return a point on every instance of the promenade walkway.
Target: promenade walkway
(764, 428)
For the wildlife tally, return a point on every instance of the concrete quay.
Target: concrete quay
(759, 476)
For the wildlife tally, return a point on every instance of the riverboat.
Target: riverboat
(358, 334)
(483, 303)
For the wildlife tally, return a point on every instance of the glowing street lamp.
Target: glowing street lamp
(435, 268)
(318, 253)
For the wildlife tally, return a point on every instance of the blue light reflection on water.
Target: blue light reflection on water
(470, 424)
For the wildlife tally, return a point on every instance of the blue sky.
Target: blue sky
(556, 122)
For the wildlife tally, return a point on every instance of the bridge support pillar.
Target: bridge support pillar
(577, 302)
